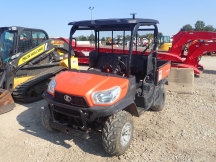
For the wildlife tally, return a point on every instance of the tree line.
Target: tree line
(198, 26)
(127, 37)
(85, 38)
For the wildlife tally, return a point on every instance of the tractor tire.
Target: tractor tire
(209, 53)
(160, 105)
(118, 133)
(46, 118)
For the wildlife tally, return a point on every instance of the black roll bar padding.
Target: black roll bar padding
(155, 40)
(112, 41)
(134, 28)
(123, 41)
(72, 31)
(155, 53)
(69, 50)
(96, 40)
(154, 61)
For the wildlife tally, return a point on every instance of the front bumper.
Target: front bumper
(85, 114)
(66, 129)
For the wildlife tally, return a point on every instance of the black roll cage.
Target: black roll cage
(116, 25)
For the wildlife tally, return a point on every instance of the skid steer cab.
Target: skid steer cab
(118, 84)
(28, 61)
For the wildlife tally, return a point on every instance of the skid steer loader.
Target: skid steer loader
(28, 60)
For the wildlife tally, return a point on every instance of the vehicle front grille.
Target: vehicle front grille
(72, 100)
(66, 111)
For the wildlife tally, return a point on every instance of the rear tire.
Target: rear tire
(160, 105)
(118, 133)
(46, 118)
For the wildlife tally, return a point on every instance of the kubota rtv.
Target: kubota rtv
(115, 88)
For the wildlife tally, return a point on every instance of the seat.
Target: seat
(141, 65)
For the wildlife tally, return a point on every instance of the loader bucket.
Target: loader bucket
(6, 101)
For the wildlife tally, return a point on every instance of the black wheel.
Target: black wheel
(160, 105)
(117, 133)
(46, 118)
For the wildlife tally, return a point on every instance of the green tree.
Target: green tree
(199, 25)
(160, 34)
(103, 39)
(209, 28)
(91, 37)
(127, 37)
(82, 38)
(119, 36)
(187, 27)
(77, 38)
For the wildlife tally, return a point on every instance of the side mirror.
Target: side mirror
(74, 43)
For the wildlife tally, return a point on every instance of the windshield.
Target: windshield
(164, 39)
(6, 45)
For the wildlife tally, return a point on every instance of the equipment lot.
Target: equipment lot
(184, 131)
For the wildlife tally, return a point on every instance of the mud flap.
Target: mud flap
(181, 80)
(6, 101)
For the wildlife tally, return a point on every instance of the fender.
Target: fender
(124, 104)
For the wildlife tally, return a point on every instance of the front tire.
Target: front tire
(46, 118)
(118, 133)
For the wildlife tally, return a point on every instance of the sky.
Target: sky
(53, 16)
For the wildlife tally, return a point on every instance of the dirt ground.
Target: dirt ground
(184, 131)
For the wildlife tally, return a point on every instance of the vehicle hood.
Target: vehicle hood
(84, 84)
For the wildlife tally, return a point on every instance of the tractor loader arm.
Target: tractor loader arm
(184, 37)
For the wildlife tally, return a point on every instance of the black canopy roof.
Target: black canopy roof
(108, 22)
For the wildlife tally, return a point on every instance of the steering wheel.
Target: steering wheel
(116, 70)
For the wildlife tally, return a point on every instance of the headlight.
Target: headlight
(51, 86)
(107, 96)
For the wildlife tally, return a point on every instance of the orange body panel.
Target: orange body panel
(164, 71)
(84, 84)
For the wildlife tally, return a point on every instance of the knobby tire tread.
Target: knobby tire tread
(112, 131)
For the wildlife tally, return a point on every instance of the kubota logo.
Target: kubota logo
(67, 98)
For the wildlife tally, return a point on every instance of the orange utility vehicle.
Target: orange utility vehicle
(115, 87)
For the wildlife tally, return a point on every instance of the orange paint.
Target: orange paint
(84, 84)
(164, 71)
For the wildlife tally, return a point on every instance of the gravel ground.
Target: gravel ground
(184, 131)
